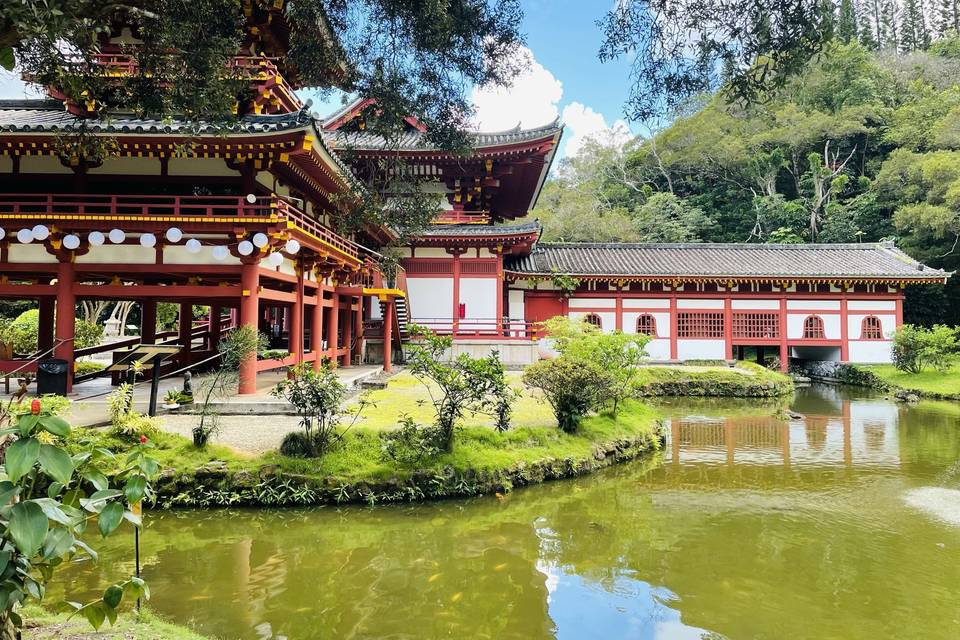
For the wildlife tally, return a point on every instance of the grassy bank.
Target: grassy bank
(929, 383)
(356, 469)
(41, 624)
(745, 380)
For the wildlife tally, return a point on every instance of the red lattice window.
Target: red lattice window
(756, 325)
(871, 329)
(594, 319)
(439, 266)
(699, 325)
(647, 324)
(813, 327)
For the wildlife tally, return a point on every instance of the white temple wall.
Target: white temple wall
(713, 349)
(430, 298)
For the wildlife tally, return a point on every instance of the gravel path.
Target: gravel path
(249, 434)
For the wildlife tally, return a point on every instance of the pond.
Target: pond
(838, 525)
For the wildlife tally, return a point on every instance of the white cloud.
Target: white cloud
(583, 124)
(532, 100)
(12, 87)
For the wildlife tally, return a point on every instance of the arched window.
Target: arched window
(813, 327)
(647, 325)
(594, 319)
(871, 329)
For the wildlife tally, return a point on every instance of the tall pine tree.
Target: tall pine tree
(889, 25)
(847, 21)
(948, 16)
(911, 29)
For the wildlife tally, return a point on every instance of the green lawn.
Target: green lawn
(41, 624)
(745, 380)
(928, 381)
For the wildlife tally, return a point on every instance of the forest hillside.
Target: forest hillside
(863, 146)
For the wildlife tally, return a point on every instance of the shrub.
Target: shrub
(914, 348)
(410, 443)
(23, 333)
(133, 425)
(83, 367)
(460, 384)
(618, 354)
(572, 388)
(298, 444)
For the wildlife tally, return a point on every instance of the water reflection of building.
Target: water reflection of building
(864, 432)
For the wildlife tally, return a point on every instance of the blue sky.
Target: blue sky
(564, 78)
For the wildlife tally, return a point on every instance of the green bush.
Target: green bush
(572, 388)
(133, 425)
(23, 333)
(317, 396)
(915, 348)
(410, 443)
(298, 444)
(83, 367)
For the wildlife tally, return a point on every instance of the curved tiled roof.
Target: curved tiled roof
(419, 141)
(447, 230)
(49, 116)
(724, 260)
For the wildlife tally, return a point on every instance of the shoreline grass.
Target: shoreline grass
(929, 383)
(42, 624)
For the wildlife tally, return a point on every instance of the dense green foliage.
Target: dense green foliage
(317, 396)
(747, 380)
(861, 146)
(458, 384)
(572, 388)
(23, 333)
(929, 383)
(916, 348)
(49, 497)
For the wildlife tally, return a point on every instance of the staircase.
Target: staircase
(401, 325)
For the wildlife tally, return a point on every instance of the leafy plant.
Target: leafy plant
(410, 443)
(915, 348)
(23, 333)
(572, 388)
(48, 499)
(317, 397)
(618, 354)
(459, 384)
(238, 345)
(564, 281)
(173, 397)
(83, 367)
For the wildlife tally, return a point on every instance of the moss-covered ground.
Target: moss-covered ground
(41, 624)
(745, 380)
(929, 382)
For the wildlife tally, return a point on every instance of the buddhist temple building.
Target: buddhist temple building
(241, 220)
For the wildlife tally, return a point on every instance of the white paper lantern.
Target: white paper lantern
(245, 248)
(174, 234)
(251, 198)
(220, 253)
(193, 245)
(148, 240)
(3, 234)
(117, 236)
(292, 246)
(260, 240)
(40, 232)
(71, 242)
(275, 259)
(96, 238)
(25, 236)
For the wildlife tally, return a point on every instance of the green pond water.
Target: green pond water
(843, 525)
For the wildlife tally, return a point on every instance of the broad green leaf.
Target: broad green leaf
(27, 423)
(7, 59)
(90, 552)
(97, 501)
(113, 595)
(135, 488)
(57, 543)
(110, 518)
(95, 613)
(55, 425)
(21, 455)
(4, 560)
(28, 527)
(54, 490)
(97, 479)
(51, 509)
(56, 463)
(33, 588)
(8, 491)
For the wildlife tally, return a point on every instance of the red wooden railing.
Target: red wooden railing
(482, 327)
(462, 217)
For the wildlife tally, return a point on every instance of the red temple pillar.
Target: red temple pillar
(358, 319)
(333, 327)
(214, 328)
(316, 331)
(295, 343)
(500, 291)
(66, 318)
(844, 333)
(45, 330)
(455, 324)
(249, 316)
(728, 327)
(148, 321)
(348, 333)
(388, 313)
(673, 327)
(784, 347)
(185, 325)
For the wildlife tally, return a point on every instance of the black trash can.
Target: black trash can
(52, 377)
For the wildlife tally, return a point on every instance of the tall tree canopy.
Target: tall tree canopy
(416, 58)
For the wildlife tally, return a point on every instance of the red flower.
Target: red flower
(35, 407)
(143, 439)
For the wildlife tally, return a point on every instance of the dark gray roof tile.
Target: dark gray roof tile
(723, 260)
(480, 229)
